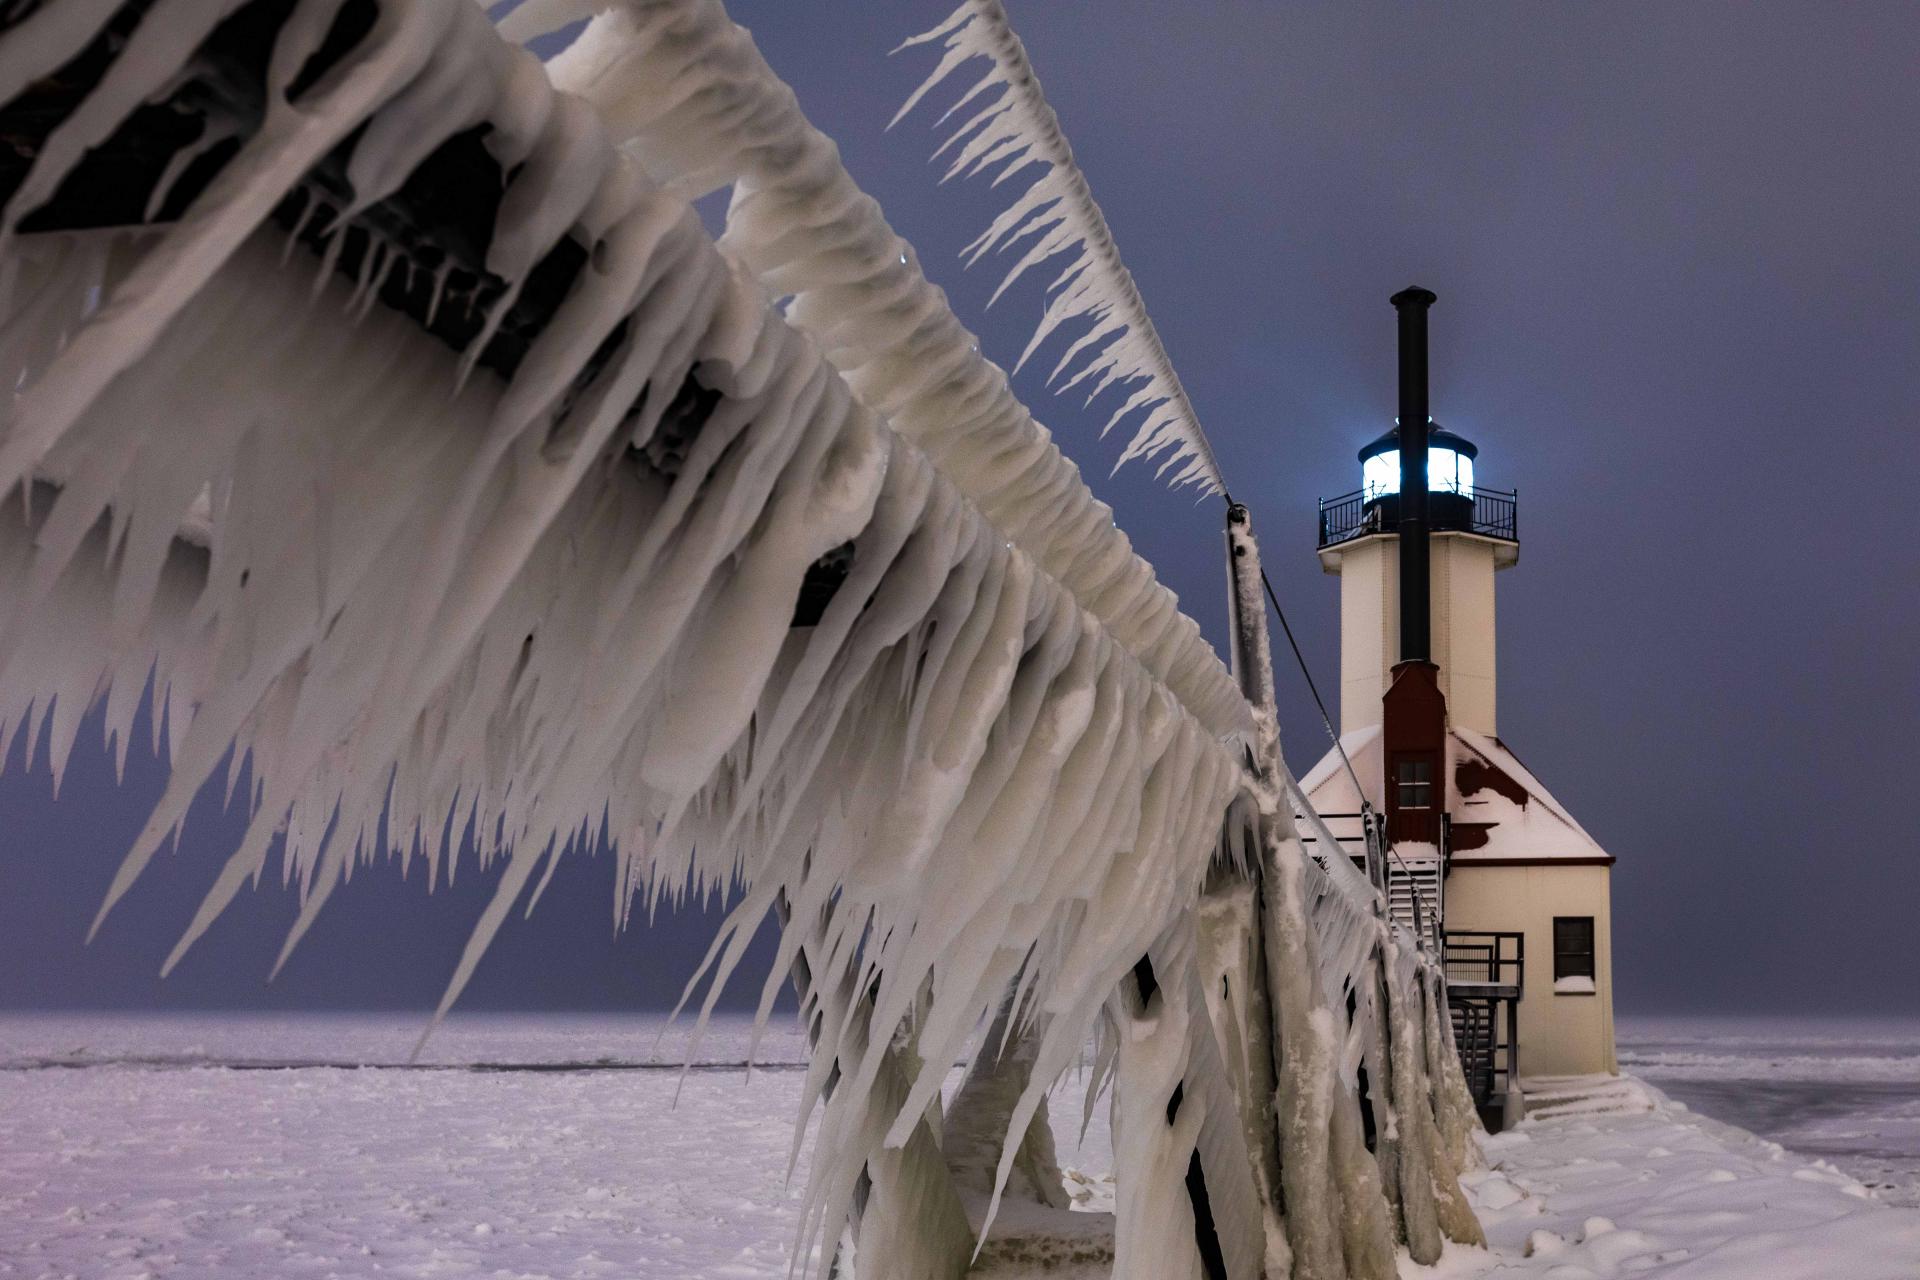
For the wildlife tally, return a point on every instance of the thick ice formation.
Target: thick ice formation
(1114, 345)
(419, 609)
(805, 605)
(685, 91)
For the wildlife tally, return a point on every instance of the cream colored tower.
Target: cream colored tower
(1473, 538)
(1463, 565)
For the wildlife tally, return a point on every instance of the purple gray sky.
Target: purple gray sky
(1679, 273)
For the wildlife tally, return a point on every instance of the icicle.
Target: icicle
(687, 92)
(1119, 347)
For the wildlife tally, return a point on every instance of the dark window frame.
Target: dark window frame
(1420, 785)
(1570, 959)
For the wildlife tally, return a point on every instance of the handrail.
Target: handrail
(1423, 923)
(1485, 957)
(1349, 876)
(1491, 513)
(1426, 930)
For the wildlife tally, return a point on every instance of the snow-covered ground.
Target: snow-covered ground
(1609, 1178)
(531, 1147)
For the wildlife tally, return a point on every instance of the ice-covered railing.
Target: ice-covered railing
(686, 91)
(1007, 129)
(1300, 955)
(563, 529)
(549, 602)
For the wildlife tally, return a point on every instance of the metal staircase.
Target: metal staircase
(1413, 891)
(1474, 1038)
(1485, 975)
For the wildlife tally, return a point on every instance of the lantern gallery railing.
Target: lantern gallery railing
(1491, 513)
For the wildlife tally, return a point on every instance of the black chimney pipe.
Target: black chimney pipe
(1416, 621)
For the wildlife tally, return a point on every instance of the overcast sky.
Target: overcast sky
(1678, 258)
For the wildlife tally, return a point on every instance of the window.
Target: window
(1413, 784)
(1448, 471)
(1573, 955)
(1380, 475)
(1444, 471)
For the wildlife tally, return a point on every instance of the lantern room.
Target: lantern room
(1452, 497)
(1449, 463)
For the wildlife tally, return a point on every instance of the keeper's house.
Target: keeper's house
(1485, 861)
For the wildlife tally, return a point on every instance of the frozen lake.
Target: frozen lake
(553, 1146)
(1845, 1089)
(569, 1146)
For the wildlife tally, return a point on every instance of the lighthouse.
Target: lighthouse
(1481, 860)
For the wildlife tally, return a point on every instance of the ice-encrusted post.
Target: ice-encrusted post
(1416, 1143)
(1232, 938)
(1432, 1203)
(1336, 1220)
(907, 1218)
(975, 1124)
(1234, 974)
(1452, 1105)
(1156, 1127)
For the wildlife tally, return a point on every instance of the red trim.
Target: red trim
(1413, 730)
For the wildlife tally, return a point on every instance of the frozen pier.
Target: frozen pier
(1608, 1177)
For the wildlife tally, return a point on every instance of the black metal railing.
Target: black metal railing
(1485, 976)
(1348, 517)
(1491, 513)
(1496, 959)
(1496, 514)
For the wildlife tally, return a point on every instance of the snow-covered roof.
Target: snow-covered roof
(1487, 784)
(1501, 811)
(1328, 785)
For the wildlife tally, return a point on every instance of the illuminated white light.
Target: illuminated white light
(1448, 471)
(1380, 475)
